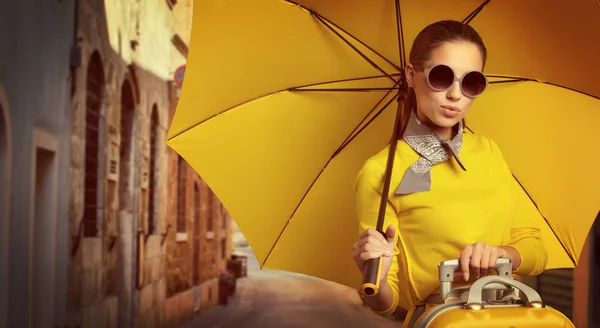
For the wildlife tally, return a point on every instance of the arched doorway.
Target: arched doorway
(127, 221)
(125, 148)
(5, 165)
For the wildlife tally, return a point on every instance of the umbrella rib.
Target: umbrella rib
(475, 12)
(509, 81)
(365, 57)
(348, 89)
(290, 89)
(342, 146)
(526, 79)
(545, 219)
(299, 88)
(400, 31)
(325, 21)
(538, 209)
(314, 13)
(355, 133)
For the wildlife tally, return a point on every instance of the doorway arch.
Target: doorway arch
(128, 264)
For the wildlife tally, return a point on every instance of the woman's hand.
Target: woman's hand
(477, 259)
(370, 245)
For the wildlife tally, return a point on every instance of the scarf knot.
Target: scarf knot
(433, 151)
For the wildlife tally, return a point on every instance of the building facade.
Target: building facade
(133, 261)
(34, 160)
(117, 168)
(199, 238)
(197, 247)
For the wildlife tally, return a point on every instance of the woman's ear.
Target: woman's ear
(409, 72)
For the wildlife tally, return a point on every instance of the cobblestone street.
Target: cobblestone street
(267, 299)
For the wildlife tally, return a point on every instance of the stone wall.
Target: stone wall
(133, 263)
(92, 267)
(116, 275)
(179, 248)
(154, 95)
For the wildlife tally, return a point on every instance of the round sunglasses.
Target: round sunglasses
(441, 78)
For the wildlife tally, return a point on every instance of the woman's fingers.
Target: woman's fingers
(464, 259)
(490, 264)
(365, 256)
(376, 248)
(372, 232)
(371, 244)
(478, 259)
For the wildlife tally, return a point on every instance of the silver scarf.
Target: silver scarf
(432, 149)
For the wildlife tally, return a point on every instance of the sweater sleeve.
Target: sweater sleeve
(525, 234)
(368, 186)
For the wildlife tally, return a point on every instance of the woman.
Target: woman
(451, 195)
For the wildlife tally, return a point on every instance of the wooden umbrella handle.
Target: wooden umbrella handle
(372, 276)
(372, 268)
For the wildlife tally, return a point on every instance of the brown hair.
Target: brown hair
(431, 37)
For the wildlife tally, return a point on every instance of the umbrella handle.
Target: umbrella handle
(372, 276)
(372, 268)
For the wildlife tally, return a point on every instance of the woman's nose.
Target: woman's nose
(454, 93)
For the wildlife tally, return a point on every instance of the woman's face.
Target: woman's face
(442, 110)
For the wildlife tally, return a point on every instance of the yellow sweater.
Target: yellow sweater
(483, 204)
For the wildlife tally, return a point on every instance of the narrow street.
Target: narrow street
(267, 299)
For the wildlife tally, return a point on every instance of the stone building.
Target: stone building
(198, 246)
(119, 106)
(34, 160)
(122, 203)
(199, 239)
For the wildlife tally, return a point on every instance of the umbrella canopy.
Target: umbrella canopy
(284, 101)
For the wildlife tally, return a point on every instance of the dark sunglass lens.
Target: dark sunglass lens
(441, 77)
(473, 84)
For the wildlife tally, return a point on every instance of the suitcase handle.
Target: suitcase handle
(474, 301)
(447, 268)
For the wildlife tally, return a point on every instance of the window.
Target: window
(153, 174)
(125, 148)
(223, 248)
(93, 150)
(4, 164)
(181, 193)
(5, 160)
(224, 217)
(213, 214)
(197, 207)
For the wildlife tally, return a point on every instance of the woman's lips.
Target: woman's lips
(451, 111)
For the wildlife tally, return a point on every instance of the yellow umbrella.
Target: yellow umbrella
(283, 102)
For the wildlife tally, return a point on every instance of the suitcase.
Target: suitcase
(509, 303)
